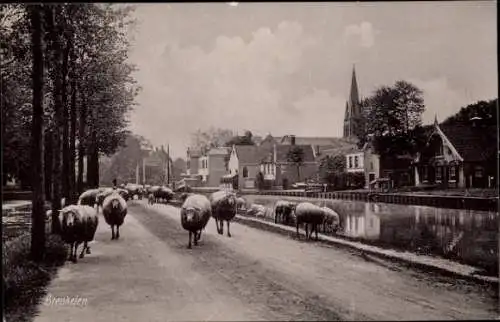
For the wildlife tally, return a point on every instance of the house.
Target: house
(216, 164)
(279, 171)
(192, 177)
(244, 165)
(321, 145)
(462, 155)
(355, 162)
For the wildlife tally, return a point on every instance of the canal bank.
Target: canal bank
(461, 236)
(428, 263)
(402, 198)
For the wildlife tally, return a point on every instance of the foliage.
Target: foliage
(213, 137)
(24, 279)
(395, 118)
(296, 156)
(241, 140)
(355, 180)
(331, 167)
(259, 180)
(124, 162)
(486, 110)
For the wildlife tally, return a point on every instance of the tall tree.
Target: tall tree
(395, 115)
(296, 157)
(38, 201)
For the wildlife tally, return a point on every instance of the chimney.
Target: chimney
(292, 139)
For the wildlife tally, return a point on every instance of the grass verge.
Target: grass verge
(25, 281)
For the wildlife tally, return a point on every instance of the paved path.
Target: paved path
(150, 275)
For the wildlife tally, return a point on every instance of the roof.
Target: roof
(219, 151)
(282, 152)
(473, 144)
(321, 141)
(194, 153)
(250, 154)
(340, 146)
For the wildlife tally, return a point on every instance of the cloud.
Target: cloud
(235, 85)
(439, 98)
(364, 33)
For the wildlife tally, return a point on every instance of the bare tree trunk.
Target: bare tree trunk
(48, 165)
(56, 74)
(72, 143)
(38, 200)
(65, 123)
(81, 141)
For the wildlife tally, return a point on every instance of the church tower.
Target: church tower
(352, 108)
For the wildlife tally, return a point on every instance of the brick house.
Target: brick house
(459, 155)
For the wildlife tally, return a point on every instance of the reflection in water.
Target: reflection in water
(467, 236)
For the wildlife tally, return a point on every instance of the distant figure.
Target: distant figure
(114, 184)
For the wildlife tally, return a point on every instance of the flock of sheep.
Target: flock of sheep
(79, 222)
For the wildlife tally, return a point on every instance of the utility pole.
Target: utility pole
(168, 164)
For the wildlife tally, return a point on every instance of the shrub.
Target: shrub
(24, 280)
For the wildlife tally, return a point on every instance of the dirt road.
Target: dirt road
(150, 275)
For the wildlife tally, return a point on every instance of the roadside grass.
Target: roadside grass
(25, 281)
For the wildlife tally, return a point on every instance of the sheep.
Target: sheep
(163, 194)
(151, 199)
(101, 195)
(308, 213)
(88, 197)
(283, 211)
(256, 210)
(78, 224)
(240, 203)
(331, 220)
(133, 190)
(114, 209)
(123, 193)
(195, 214)
(223, 205)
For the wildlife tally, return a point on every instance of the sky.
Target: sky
(285, 68)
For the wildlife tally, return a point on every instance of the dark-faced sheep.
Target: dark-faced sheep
(195, 214)
(78, 225)
(223, 205)
(309, 214)
(88, 197)
(114, 209)
(283, 212)
(331, 220)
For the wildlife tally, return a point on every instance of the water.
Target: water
(466, 236)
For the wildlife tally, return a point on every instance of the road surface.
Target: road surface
(150, 275)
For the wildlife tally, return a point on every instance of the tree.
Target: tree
(241, 140)
(296, 157)
(331, 167)
(393, 113)
(38, 201)
(211, 138)
(486, 110)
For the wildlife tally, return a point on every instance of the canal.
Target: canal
(465, 236)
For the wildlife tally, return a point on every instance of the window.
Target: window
(438, 173)
(453, 173)
(350, 162)
(478, 173)
(356, 162)
(371, 165)
(245, 172)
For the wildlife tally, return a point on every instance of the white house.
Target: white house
(355, 162)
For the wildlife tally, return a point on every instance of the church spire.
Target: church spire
(354, 95)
